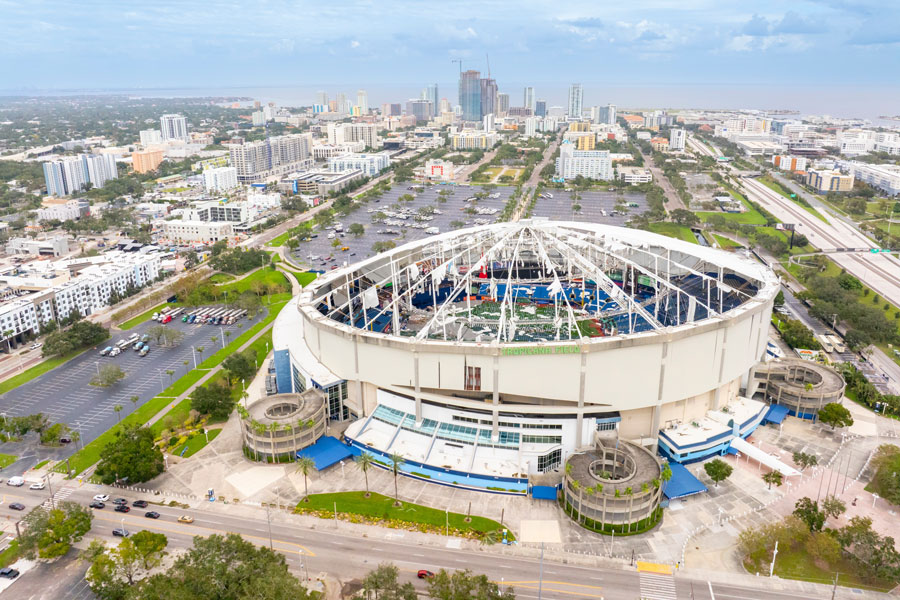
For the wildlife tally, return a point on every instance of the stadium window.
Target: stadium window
(473, 379)
(606, 426)
(549, 461)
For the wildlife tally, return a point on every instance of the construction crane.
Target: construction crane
(458, 60)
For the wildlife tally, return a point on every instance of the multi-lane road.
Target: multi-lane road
(348, 555)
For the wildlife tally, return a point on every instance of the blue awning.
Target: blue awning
(544, 492)
(683, 483)
(326, 452)
(732, 451)
(776, 414)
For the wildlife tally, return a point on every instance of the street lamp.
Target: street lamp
(303, 563)
(161, 387)
(50, 489)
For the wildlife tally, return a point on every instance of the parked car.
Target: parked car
(98, 505)
(36, 345)
(65, 440)
(119, 532)
(17, 506)
(185, 519)
(144, 351)
(101, 497)
(152, 514)
(424, 574)
(106, 351)
(123, 508)
(139, 504)
(37, 486)
(9, 573)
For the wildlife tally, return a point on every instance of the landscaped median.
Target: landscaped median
(380, 510)
(90, 453)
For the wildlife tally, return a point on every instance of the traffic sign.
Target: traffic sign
(877, 250)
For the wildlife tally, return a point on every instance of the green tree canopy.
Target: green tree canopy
(718, 470)
(108, 375)
(131, 454)
(835, 415)
(241, 365)
(465, 584)
(214, 400)
(50, 533)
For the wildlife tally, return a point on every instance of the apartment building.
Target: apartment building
(473, 139)
(146, 160)
(829, 180)
(220, 179)
(370, 164)
(196, 232)
(593, 164)
(884, 177)
(789, 163)
(258, 161)
(70, 175)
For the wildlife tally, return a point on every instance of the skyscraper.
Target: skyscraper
(528, 101)
(362, 101)
(470, 95)
(576, 96)
(502, 104)
(64, 177)
(173, 127)
(421, 109)
(488, 97)
(342, 106)
(322, 98)
(676, 139)
(431, 94)
(540, 108)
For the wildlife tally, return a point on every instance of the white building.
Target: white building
(604, 115)
(67, 176)
(531, 126)
(593, 164)
(439, 169)
(853, 142)
(887, 142)
(472, 139)
(258, 161)
(635, 175)
(576, 97)
(362, 101)
(60, 211)
(54, 246)
(884, 177)
(173, 127)
(528, 99)
(150, 137)
(343, 133)
(676, 139)
(488, 122)
(370, 164)
(196, 232)
(789, 163)
(258, 118)
(220, 179)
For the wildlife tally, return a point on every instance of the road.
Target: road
(673, 201)
(462, 174)
(545, 160)
(342, 554)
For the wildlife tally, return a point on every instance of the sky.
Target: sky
(95, 44)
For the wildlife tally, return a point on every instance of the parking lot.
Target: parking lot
(316, 252)
(593, 204)
(65, 395)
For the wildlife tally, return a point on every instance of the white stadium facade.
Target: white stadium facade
(486, 356)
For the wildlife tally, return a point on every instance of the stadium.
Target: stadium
(490, 355)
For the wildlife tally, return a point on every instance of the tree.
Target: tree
(305, 465)
(807, 510)
(225, 567)
(396, 462)
(718, 470)
(804, 460)
(833, 506)
(835, 415)
(364, 462)
(131, 454)
(465, 584)
(773, 477)
(356, 229)
(114, 570)
(250, 302)
(241, 365)
(383, 583)
(50, 533)
(109, 375)
(823, 548)
(684, 217)
(118, 409)
(213, 399)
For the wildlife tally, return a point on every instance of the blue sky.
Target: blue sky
(165, 44)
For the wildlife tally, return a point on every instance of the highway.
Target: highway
(347, 555)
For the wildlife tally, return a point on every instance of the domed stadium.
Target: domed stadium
(486, 356)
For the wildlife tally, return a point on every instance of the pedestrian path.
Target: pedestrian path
(657, 581)
(59, 495)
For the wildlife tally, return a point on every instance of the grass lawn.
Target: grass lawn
(726, 243)
(279, 240)
(35, 371)
(219, 278)
(264, 276)
(145, 316)
(197, 443)
(796, 564)
(40, 464)
(10, 555)
(8, 459)
(382, 507)
(674, 230)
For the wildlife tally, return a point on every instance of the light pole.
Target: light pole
(161, 387)
(303, 563)
(50, 489)
(98, 368)
(541, 572)
(194, 354)
(222, 337)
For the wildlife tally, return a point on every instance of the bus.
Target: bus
(837, 343)
(826, 343)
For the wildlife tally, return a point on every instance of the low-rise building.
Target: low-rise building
(583, 140)
(196, 232)
(659, 144)
(635, 175)
(829, 180)
(789, 163)
(884, 177)
(473, 139)
(318, 183)
(60, 209)
(370, 164)
(440, 169)
(54, 246)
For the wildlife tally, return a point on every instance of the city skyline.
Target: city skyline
(53, 46)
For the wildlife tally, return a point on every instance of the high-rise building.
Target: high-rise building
(488, 122)
(470, 95)
(362, 101)
(341, 104)
(146, 161)
(488, 97)
(64, 177)
(576, 97)
(348, 133)
(540, 108)
(431, 94)
(593, 164)
(421, 109)
(528, 100)
(150, 137)
(322, 98)
(502, 104)
(531, 125)
(220, 179)
(258, 118)
(255, 161)
(173, 127)
(676, 139)
(445, 106)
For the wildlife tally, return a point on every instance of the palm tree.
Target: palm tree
(187, 365)
(118, 408)
(214, 339)
(305, 465)
(171, 374)
(200, 352)
(576, 486)
(364, 462)
(396, 461)
(134, 401)
(258, 429)
(665, 475)
(630, 494)
(273, 427)
(8, 335)
(293, 450)
(227, 334)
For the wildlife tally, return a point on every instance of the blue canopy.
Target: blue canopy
(543, 492)
(776, 414)
(326, 452)
(683, 483)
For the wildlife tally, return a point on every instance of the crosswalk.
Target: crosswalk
(657, 586)
(59, 495)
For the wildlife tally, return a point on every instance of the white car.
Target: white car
(101, 497)
(37, 486)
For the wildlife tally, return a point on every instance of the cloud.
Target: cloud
(354, 44)
(650, 36)
(794, 23)
(585, 22)
(876, 32)
(757, 26)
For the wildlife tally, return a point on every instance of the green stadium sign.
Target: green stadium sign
(531, 350)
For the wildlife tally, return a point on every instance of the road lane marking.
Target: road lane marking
(582, 585)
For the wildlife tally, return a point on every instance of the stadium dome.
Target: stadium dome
(493, 352)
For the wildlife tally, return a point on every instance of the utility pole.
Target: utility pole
(541, 575)
(269, 523)
(774, 554)
(834, 588)
(50, 488)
